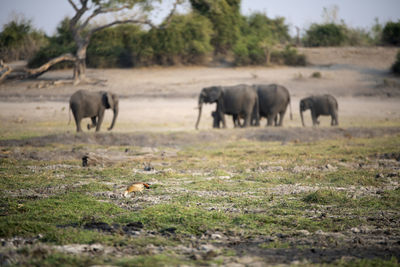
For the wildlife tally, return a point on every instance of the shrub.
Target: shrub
(113, 47)
(57, 45)
(259, 36)
(187, 40)
(289, 56)
(19, 41)
(396, 65)
(325, 35)
(225, 18)
(391, 33)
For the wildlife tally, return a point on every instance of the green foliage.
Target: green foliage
(289, 56)
(259, 36)
(19, 40)
(325, 35)
(391, 33)
(114, 47)
(185, 41)
(225, 18)
(396, 65)
(59, 44)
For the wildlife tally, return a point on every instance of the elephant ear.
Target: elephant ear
(215, 93)
(108, 101)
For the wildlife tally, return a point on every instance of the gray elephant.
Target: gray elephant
(320, 105)
(217, 120)
(273, 99)
(239, 100)
(85, 104)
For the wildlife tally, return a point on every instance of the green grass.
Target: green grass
(233, 187)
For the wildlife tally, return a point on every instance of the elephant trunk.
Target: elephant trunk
(302, 119)
(200, 109)
(114, 118)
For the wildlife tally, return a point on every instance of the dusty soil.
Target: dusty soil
(163, 99)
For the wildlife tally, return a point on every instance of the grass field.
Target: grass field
(242, 202)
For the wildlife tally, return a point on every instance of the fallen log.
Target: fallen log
(34, 73)
(26, 73)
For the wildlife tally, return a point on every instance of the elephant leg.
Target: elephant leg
(222, 119)
(100, 120)
(270, 120)
(236, 122)
(314, 117)
(334, 119)
(247, 119)
(281, 116)
(93, 123)
(77, 119)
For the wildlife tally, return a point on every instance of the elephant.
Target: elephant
(217, 120)
(85, 104)
(238, 100)
(273, 99)
(320, 105)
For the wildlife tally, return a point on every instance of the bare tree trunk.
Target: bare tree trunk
(80, 62)
(267, 52)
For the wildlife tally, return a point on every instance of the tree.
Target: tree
(391, 33)
(19, 40)
(86, 11)
(225, 17)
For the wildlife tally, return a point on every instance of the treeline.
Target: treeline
(211, 32)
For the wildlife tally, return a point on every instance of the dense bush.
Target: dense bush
(289, 56)
(225, 18)
(19, 41)
(259, 42)
(391, 33)
(325, 35)
(59, 44)
(396, 65)
(114, 47)
(187, 40)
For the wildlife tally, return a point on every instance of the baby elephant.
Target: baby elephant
(217, 120)
(320, 105)
(85, 104)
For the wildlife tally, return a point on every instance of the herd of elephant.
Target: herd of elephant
(247, 102)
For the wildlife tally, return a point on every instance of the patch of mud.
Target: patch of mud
(180, 139)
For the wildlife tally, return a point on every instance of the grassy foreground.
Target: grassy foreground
(331, 202)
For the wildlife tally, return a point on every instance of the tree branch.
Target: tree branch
(99, 11)
(168, 19)
(79, 14)
(137, 21)
(73, 5)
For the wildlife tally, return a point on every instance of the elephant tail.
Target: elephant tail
(290, 107)
(69, 114)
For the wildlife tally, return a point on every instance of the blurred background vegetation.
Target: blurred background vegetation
(210, 34)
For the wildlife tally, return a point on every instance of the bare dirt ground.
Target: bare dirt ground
(163, 99)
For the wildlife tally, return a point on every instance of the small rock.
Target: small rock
(379, 176)
(196, 256)
(216, 236)
(355, 230)
(303, 232)
(207, 247)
